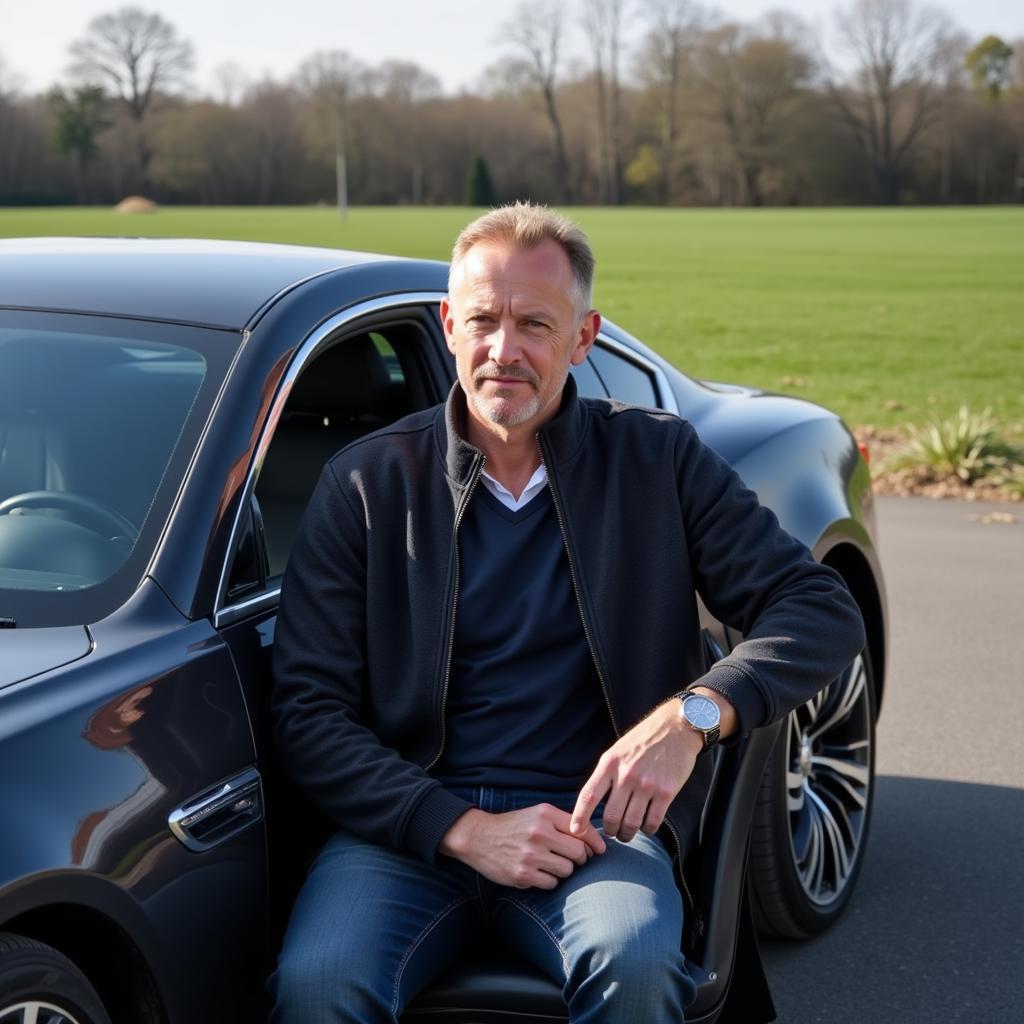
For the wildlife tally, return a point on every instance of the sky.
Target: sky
(454, 39)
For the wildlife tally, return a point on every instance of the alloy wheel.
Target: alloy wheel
(34, 1011)
(828, 783)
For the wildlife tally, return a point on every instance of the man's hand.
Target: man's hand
(641, 774)
(529, 848)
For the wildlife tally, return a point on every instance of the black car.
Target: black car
(165, 410)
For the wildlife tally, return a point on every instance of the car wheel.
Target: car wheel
(810, 825)
(38, 985)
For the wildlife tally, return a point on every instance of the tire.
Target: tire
(811, 821)
(38, 985)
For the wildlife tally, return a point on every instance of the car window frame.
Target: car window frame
(322, 337)
(663, 390)
(363, 317)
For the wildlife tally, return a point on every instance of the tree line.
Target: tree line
(672, 104)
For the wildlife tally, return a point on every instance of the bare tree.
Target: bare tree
(535, 30)
(950, 76)
(252, 151)
(15, 140)
(332, 79)
(139, 56)
(404, 82)
(232, 82)
(749, 78)
(602, 22)
(281, 154)
(894, 93)
(401, 89)
(10, 81)
(661, 62)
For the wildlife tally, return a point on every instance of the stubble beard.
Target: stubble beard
(498, 408)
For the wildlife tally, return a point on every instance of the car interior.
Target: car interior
(352, 389)
(87, 427)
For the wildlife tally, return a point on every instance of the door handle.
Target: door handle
(219, 813)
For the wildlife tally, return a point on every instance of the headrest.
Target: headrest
(351, 377)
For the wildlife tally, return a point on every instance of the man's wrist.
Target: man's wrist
(690, 736)
(728, 719)
(456, 842)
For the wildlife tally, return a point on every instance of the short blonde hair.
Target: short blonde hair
(528, 225)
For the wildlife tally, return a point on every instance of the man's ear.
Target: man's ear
(585, 336)
(447, 323)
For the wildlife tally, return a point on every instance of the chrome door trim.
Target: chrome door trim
(261, 602)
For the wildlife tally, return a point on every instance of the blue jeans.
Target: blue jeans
(372, 926)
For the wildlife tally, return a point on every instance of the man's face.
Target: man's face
(511, 322)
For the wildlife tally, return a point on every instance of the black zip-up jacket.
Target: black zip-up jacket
(650, 515)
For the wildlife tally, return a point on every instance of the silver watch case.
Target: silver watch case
(702, 715)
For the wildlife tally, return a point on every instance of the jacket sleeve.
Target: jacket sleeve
(800, 624)
(319, 669)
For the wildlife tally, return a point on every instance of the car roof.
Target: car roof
(200, 281)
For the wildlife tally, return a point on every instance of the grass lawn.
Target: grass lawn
(887, 316)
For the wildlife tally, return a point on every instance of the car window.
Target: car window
(88, 425)
(624, 379)
(588, 384)
(361, 383)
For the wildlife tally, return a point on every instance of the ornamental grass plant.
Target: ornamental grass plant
(968, 446)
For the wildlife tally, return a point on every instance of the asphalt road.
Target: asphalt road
(935, 932)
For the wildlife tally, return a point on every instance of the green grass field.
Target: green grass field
(887, 316)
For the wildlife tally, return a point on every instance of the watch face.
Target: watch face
(701, 712)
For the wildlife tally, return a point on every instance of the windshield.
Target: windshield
(88, 426)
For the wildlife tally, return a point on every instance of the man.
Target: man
(485, 629)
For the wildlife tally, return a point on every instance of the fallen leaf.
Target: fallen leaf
(1007, 518)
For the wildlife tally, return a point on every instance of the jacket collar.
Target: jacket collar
(562, 435)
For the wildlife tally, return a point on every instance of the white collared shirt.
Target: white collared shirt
(537, 483)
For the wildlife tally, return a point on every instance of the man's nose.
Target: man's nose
(505, 347)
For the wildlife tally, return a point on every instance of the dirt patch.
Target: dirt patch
(920, 480)
(136, 204)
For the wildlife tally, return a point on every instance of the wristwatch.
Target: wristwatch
(701, 714)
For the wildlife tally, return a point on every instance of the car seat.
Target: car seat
(490, 984)
(338, 399)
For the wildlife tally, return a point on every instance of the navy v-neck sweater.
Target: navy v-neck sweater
(525, 708)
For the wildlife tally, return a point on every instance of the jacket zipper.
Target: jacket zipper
(460, 512)
(593, 657)
(691, 906)
(576, 590)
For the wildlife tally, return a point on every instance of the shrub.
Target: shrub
(968, 445)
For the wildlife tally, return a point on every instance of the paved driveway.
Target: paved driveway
(936, 930)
